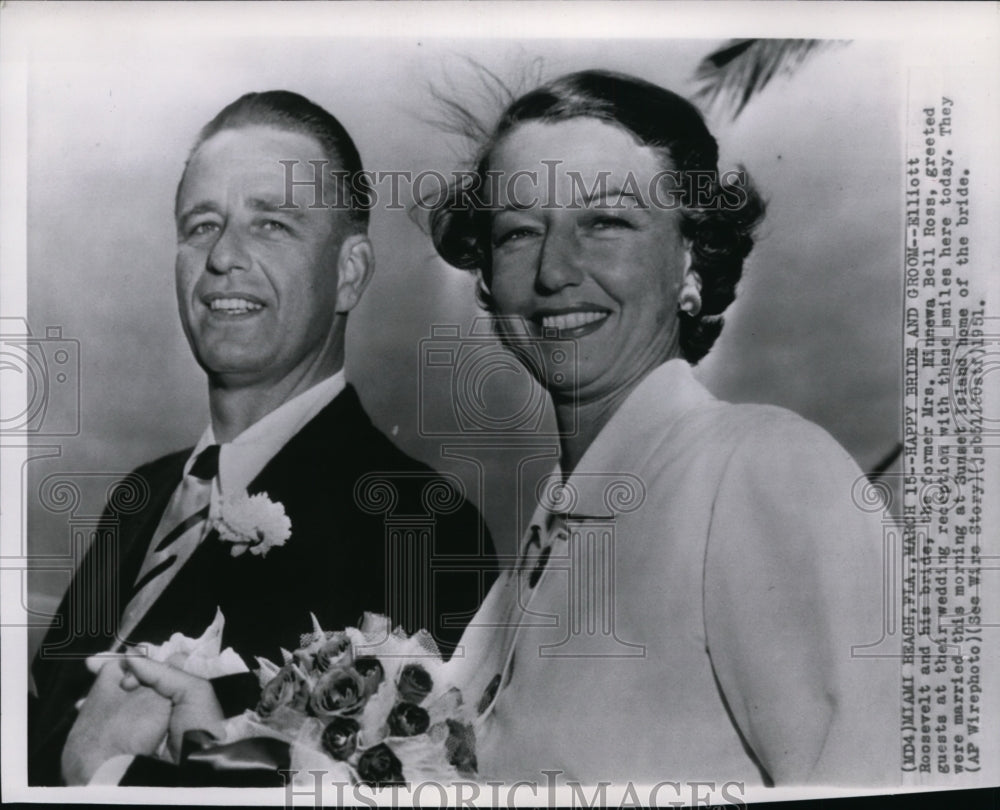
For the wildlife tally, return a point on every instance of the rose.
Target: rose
(370, 669)
(461, 747)
(414, 683)
(335, 651)
(286, 689)
(340, 737)
(338, 692)
(379, 767)
(408, 720)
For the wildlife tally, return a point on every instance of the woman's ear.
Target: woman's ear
(482, 288)
(689, 297)
(355, 265)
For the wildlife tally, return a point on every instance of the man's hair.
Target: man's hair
(291, 112)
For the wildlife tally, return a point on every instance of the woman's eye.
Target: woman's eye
(605, 222)
(512, 235)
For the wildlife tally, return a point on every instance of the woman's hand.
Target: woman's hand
(192, 699)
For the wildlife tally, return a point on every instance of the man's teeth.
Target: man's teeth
(572, 320)
(235, 305)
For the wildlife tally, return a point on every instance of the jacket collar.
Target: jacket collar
(666, 394)
(334, 433)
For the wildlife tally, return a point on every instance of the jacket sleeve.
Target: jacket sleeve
(58, 670)
(83, 625)
(792, 589)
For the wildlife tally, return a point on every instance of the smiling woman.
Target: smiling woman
(614, 183)
(716, 606)
(605, 272)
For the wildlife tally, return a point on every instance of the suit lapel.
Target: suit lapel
(330, 435)
(134, 555)
(62, 681)
(141, 535)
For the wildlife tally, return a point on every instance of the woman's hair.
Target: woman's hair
(719, 228)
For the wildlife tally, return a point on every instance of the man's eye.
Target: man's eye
(273, 225)
(202, 228)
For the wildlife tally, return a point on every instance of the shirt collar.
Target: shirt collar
(242, 459)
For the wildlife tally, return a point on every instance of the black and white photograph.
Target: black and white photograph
(499, 404)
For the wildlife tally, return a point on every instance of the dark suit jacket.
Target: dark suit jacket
(372, 529)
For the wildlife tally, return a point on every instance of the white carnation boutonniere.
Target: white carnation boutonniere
(252, 523)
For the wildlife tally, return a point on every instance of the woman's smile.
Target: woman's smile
(571, 322)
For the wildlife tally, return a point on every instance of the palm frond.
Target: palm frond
(742, 68)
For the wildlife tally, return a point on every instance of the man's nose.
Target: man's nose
(229, 251)
(560, 262)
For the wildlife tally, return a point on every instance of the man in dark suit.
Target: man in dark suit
(267, 270)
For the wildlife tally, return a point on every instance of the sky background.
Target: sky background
(815, 328)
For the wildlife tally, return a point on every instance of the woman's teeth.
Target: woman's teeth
(571, 320)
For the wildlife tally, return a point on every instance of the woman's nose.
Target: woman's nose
(229, 252)
(559, 264)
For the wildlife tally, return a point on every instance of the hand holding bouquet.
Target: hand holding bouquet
(368, 705)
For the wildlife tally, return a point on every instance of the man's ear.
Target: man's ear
(355, 265)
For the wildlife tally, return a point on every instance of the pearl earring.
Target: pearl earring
(689, 301)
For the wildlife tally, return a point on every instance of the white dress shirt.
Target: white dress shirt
(242, 459)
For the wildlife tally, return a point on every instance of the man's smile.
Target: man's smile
(232, 304)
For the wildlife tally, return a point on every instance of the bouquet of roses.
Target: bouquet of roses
(369, 705)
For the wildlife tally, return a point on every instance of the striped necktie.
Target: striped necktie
(181, 529)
